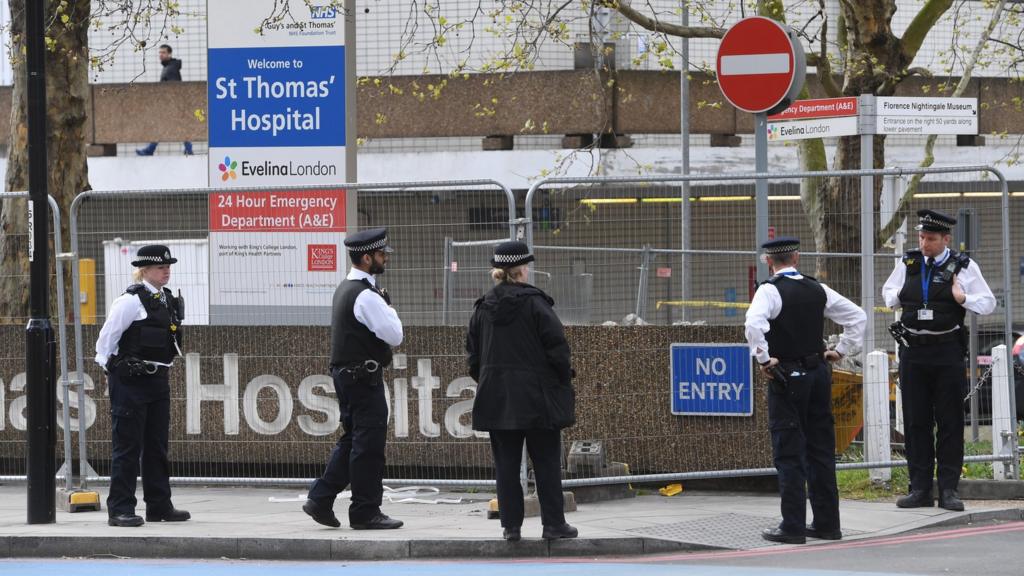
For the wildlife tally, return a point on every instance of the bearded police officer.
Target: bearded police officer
(364, 327)
(935, 287)
(136, 347)
(784, 327)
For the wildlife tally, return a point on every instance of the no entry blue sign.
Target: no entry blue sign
(712, 380)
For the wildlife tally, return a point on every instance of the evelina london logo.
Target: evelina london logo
(227, 169)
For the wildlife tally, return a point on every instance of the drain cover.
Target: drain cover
(736, 531)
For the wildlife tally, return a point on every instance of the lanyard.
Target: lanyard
(926, 277)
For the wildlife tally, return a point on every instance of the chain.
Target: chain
(1017, 367)
(981, 380)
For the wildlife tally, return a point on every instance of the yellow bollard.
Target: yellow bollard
(87, 287)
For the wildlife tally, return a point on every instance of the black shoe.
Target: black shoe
(916, 499)
(950, 500)
(321, 515)
(126, 520)
(512, 534)
(777, 535)
(172, 515)
(813, 532)
(379, 522)
(561, 531)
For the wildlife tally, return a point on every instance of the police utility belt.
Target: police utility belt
(809, 362)
(359, 370)
(909, 339)
(136, 366)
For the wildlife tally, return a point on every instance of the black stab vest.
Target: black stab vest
(351, 341)
(946, 312)
(797, 332)
(153, 337)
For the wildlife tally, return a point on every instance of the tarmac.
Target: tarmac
(268, 523)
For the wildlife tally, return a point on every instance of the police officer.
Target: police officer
(935, 286)
(518, 354)
(364, 327)
(784, 328)
(136, 348)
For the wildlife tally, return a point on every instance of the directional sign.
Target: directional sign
(712, 380)
(818, 108)
(920, 115)
(812, 128)
(760, 65)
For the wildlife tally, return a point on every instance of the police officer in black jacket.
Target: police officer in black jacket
(935, 287)
(784, 327)
(519, 357)
(136, 347)
(364, 327)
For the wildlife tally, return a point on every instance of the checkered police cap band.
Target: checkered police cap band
(150, 258)
(510, 258)
(930, 222)
(782, 248)
(375, 245)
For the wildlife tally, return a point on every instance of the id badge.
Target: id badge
(925, 314)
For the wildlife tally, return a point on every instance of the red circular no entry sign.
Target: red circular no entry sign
(760, 65)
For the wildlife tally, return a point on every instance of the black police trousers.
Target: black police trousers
(358, 456)
(544, 448)
(932, 380)
(804, 445)
(140, 414)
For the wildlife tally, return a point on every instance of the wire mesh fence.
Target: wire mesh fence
(252, 398)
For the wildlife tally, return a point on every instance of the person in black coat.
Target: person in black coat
(521, 361)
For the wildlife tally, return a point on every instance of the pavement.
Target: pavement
(268, 523)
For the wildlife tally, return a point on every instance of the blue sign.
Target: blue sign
(712, 380)
(284, 96)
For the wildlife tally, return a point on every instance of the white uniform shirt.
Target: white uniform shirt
(767, 305)
(373, 312)
(125, 309)
(980, 299)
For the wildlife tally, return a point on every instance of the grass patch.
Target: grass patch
(857, 484)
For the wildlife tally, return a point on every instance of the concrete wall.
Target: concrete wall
(562, 102)
(622, 389)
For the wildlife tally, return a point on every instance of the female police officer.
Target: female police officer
(136, 347)
(520, 359)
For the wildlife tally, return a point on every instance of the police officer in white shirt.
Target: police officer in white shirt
(935, 287)
(785, 326)
(136, 347)
(364, 328)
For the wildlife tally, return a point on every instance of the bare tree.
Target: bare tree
(136, 24)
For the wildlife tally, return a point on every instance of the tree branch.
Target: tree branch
(929, 148)
(655, 25)
(922, 24)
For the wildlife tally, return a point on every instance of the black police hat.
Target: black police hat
(153, 255)
(511, 254)
(933, 221)
(368, 240)
(781, 245)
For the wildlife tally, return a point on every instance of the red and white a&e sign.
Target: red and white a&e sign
(760, 65)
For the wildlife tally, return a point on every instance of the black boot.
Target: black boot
(512, 534)
(778, 535)
(916, 499)
(950, 500)
(561, 531)
(321, 514)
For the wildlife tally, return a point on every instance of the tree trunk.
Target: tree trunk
(67, 92)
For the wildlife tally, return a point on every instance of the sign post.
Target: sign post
(761, 69)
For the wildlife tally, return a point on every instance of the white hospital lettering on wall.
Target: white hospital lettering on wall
(312, 406)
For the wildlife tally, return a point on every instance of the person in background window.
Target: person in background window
(171, 72)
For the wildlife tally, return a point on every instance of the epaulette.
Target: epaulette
(911, 258)
(962, 260)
